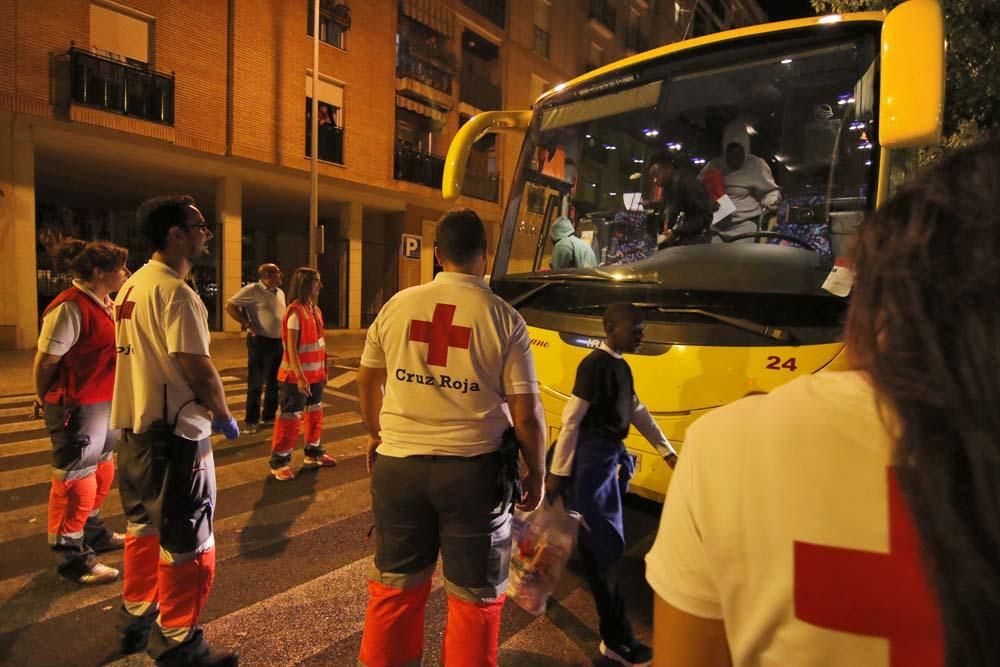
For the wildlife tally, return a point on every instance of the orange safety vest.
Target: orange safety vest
(311, 347)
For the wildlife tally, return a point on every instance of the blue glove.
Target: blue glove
(226, 426)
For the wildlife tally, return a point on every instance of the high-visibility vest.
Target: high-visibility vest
(86, 373)
(311, 345)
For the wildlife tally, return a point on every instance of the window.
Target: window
(118, 33)
(331, 125)
(334, 22)
(543, 35)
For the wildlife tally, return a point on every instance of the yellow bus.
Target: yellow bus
(829, 108)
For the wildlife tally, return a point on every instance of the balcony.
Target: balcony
(635, 41)
(494, 10)
(415, 166)
(482, 186)
(104, 83)
(479, 93)
(543, 42)
(602, 17)
(411, 66)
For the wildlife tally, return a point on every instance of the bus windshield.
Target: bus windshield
(755, 152)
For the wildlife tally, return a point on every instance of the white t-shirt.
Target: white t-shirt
(265, 308)
(158, 315)
(452, 350)
(767, 489)
(61, 325)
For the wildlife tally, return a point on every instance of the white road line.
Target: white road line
(342, 379)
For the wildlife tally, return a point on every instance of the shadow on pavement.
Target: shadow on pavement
(279, 505)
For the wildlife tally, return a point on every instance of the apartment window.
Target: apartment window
(334, 22)
(331, 116)
(543, 34)
(117, 32)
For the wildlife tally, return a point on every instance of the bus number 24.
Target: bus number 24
(776, 364)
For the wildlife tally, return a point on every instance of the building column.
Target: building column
(350, 224)
(19, 289)
(229, 211)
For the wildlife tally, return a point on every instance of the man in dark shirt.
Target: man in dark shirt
(591, 468)
(689, 216)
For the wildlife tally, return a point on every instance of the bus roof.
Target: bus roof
(715, 38)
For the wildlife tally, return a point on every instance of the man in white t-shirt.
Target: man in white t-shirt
(456, 368)
(168, 399)
(259, 308)
(785, 540)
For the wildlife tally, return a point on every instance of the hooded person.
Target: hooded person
(569, 251)
(748, 180)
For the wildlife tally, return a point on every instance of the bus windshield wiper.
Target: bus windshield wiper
(765, 330)
(568, 278)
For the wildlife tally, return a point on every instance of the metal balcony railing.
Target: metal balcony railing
(105, 83)
(415, 166)
(479, 93)
(494, 10)
(543, 42)
(482, 186)
(603, 13)
(408, 64)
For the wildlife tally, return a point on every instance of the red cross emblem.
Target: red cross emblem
(124, 311)
(870, 593)
(440, 334)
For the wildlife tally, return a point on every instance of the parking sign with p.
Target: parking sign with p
(410, 246)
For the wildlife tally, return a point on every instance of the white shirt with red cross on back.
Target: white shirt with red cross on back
(785, 520)
(452, 351)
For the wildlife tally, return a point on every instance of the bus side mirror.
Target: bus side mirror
(913, 69)
(476, 128)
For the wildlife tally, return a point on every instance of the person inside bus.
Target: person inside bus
(747, 179)
(569, 251)
(768, 552)
(687, 219)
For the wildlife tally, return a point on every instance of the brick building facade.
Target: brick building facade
(105, 103)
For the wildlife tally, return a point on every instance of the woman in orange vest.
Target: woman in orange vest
(302, 376)
(74, 374)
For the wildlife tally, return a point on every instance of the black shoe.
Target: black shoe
(134, 631)
(632, 654)
(196, 652)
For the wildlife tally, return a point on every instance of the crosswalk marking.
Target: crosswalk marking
(39, 474)
(342, 379)
(318, 615)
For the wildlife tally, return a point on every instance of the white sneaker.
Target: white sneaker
(99, 574)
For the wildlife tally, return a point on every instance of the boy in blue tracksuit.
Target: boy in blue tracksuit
(592, 469)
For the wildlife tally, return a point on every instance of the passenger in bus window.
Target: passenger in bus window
(850, 517)
(568, 250)
(688, 217)
(747, 178)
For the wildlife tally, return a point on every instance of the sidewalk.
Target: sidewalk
(229, 350)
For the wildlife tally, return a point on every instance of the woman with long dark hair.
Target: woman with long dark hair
(302, 375)
(854, 517)
(74, 374)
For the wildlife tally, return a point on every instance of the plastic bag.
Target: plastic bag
(543, 541)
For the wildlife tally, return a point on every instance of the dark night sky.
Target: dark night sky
(779, 10)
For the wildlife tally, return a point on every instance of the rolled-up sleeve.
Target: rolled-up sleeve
(519, 366)
(677, 567)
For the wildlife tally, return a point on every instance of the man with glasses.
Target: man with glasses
(168, 399)
(260, 308)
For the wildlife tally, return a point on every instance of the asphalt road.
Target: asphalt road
(292, 560)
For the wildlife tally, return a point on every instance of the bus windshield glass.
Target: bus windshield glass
(767, 145)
